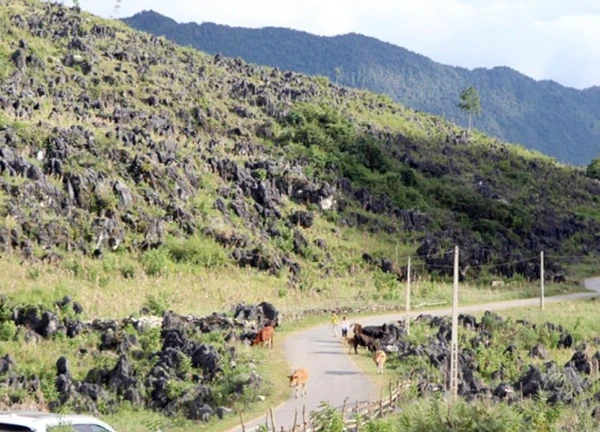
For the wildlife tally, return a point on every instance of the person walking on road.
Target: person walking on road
(345, 327)
(334, 323)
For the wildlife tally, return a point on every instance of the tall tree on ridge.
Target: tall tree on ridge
(469, 103)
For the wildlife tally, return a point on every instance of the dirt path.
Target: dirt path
(334, 376)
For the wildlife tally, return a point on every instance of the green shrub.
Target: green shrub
(197, 250)
(34, 273)
(73, 266)
(7, 331)
(17, 396)
(380, 426)
(593, 169)
(157, 304)
(441, 416)
(177, 388)
(386, 285)
(127, 270)
(150, 340)
(156, 262)
(260, 173)
(327, 418)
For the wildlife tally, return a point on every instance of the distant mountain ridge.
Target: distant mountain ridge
(542, 115)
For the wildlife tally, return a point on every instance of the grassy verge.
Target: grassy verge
(118, 287)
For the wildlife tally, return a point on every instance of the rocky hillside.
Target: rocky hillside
(135, 172)
(543, 115)
(113, 140)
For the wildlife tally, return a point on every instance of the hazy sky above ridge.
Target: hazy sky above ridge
(545, 39)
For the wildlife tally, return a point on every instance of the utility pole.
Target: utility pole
(407, 322)
(542, 280)
(454, 343)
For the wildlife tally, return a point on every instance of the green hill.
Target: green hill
(114, 140)
(542, 115)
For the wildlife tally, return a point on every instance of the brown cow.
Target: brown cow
(379, 358)
(299, 378)
(266, 334)
(365, 341)
(356, 328)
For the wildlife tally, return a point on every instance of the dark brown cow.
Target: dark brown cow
(264, 335)
(365, 341)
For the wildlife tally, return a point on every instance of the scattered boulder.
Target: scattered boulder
(565, 341)
(302, 218)
(7, 364)
(580, 362)
(538, 352)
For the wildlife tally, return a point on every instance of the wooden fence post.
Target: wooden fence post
(295, 419)
(304, 416)
(242, 422)
(272, 420)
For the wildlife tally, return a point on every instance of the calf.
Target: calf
(365, 341)
(379, 358)
(297, 379)
(350, 342)
(265, 334)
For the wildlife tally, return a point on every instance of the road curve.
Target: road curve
(334, 376)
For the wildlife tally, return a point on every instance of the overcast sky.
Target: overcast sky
(545, 39)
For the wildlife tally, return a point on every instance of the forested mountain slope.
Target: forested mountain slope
(542, 115)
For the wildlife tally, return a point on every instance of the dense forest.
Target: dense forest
(542, 115)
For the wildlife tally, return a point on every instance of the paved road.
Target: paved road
(334, 376)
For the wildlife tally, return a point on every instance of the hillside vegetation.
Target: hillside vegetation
(117, 142)
(543, 115)
(518, 371)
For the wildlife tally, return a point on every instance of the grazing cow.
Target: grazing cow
(379, 358)
(297, 379)
(264, 335)
(365, 341)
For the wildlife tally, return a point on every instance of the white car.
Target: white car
(34, 421)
